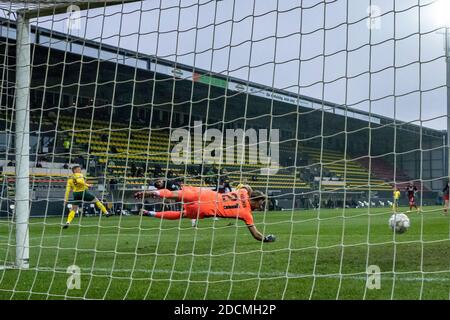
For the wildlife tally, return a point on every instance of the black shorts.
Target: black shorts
(80, 197)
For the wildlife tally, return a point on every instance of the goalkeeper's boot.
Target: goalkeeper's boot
(147, 213)
(66, 225)
(108, 214)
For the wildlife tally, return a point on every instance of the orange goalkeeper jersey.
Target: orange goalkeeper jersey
(203, 203)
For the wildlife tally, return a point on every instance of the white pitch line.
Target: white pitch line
(75, 236)
(246, 273)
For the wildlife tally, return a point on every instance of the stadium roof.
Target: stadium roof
(33, 8)
(102, 51)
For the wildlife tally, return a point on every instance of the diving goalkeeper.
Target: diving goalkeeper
(77, 183)
(204, 203)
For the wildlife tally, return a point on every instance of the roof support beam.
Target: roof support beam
(48, 8)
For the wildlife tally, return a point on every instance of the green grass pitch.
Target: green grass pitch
(318, 255)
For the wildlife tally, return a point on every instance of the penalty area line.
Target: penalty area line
(247, 273)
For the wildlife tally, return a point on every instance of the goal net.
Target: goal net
(308, 123)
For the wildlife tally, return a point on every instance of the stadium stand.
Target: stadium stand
(117, 147)
(385, 171)
(124, 148)
(355, 176)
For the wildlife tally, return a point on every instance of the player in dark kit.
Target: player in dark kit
(446, 197)
(411, 191)
(172, 185)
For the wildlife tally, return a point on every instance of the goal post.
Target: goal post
(22, 131)
(24, 11)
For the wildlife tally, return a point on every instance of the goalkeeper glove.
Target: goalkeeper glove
(270, 238)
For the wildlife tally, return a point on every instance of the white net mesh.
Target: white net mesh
(325, 107)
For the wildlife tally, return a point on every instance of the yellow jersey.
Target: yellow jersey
(76, 183)
(396, 195)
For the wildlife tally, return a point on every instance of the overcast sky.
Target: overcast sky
(282, 44)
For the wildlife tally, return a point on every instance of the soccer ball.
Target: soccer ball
(399, 222)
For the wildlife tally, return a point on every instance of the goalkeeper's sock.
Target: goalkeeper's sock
(168, 215)
(71, 216)
(101, 207)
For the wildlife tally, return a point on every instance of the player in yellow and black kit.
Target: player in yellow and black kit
(80, 188)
